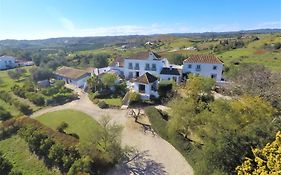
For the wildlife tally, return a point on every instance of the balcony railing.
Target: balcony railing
(147, 68)
(153, 69)
(137, 68)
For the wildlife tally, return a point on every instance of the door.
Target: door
(137, 74)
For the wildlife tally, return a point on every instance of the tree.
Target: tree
(99, 60)
(108, 79)
(41, 74)
(4, 115)
(5, 165)
(198, 87)
(265, 161)
(14, 74)
(94, 83)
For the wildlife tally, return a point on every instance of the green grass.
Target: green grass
(78, 122)
(117, 102)
(6, 82)
(16, 151)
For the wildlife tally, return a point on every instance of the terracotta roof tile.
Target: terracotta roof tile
(70, 72)
(119, 60)
(143, 55)
(203, 59)
(146, 78)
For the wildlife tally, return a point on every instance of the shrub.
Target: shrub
(18, 91)
(157, 121)
(36, 99)
(25, 109)
(4, 115)
(62, 127)
(134, 97)
(5, 165)
(13, 74)
(103, 105)
(164, 88)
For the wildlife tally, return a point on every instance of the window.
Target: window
(130, 74)
(153, 67)
(154, 87)
(141, 88)
(146, 66)
(214, 67)
(198, 67)
(130, 65)
(189, 66)
(137, 66)
(214, 76)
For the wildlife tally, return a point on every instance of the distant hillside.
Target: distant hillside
(86, 43)
(224, 34)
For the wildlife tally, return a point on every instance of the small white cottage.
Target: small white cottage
(72, 76)
(146, 85)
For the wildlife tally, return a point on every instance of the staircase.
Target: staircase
(126, 101)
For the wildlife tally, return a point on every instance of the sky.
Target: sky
(40, 19)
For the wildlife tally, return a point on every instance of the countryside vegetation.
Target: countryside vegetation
(230, 129)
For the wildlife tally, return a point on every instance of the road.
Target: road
(156, 156)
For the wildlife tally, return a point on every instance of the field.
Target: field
(16, 151)
(78, 123)
(6, 82)
(5, 85)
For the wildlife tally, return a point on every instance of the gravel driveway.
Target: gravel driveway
(155, 155)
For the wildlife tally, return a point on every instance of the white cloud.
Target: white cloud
(67, 24)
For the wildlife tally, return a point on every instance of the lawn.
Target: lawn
(116, 102)
(78, 122)
(16, 151)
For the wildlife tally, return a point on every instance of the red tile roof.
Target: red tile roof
(146, 78)
(119, 60)
(144, 55)
(211, 59)
(71, 73)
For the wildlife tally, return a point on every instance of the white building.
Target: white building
(146, 85)
(73, 76)
(204, 65)
(7, 62)
(137, 65)
(170, 73)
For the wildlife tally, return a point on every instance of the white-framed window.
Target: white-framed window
(131, 75)
(137, 66)
(147, 67)
(130, 65)
(153, 67)
(215, 67)
(198, 67)
(189, 66)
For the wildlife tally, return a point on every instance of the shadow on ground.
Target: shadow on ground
(138, 163)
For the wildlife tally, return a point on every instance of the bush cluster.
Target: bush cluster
(23, 108)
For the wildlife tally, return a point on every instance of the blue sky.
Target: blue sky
(37, 19)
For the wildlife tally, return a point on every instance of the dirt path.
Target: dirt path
(156, 156)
